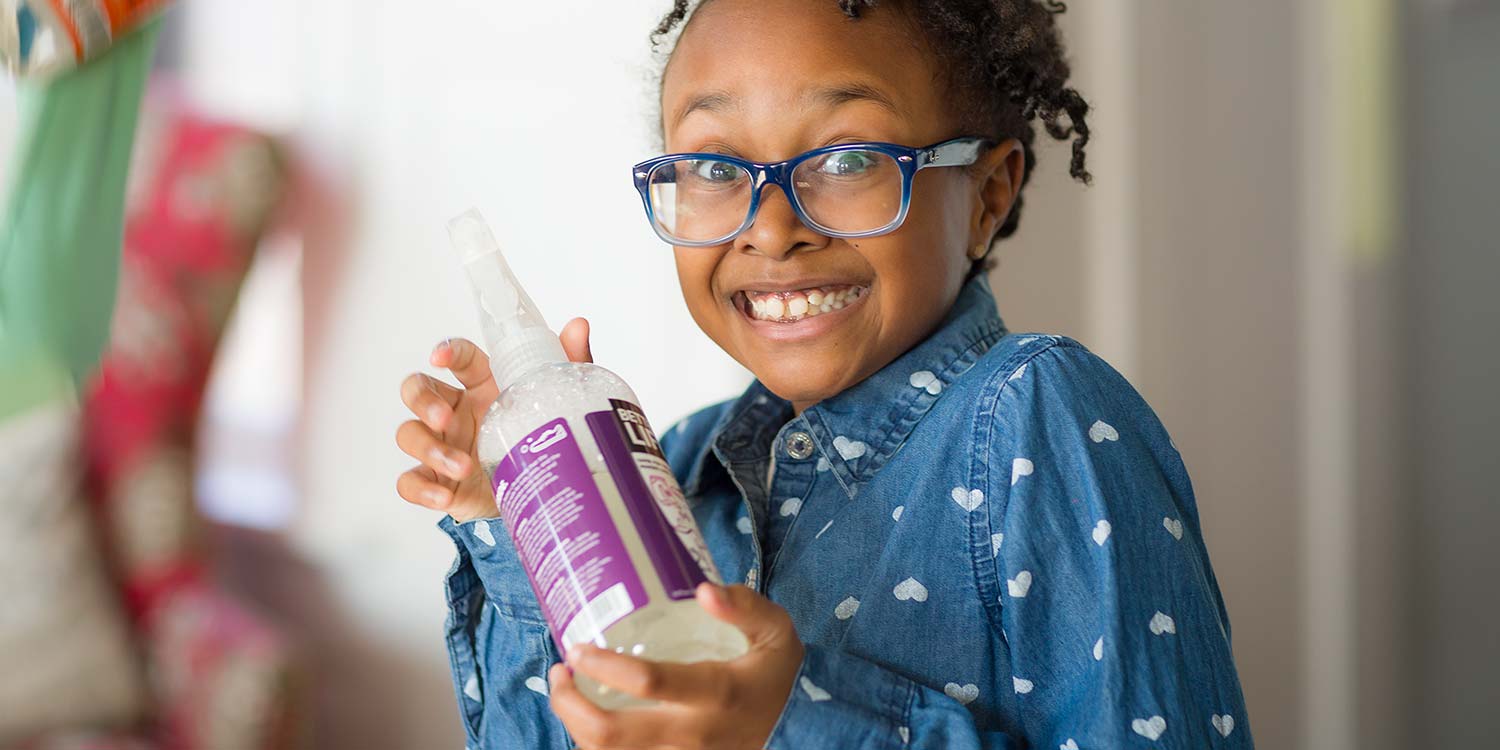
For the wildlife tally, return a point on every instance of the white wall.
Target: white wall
(534, 113)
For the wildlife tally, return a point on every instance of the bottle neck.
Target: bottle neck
(514, 354)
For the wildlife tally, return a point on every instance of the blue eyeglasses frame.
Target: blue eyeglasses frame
(955, 152)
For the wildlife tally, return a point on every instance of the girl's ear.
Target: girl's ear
(1000, 171)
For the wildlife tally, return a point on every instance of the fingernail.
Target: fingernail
(438, 497)
(441, 347)
(435, 415)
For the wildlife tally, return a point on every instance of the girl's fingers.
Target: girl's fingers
(465, 360)
(697, 683)
(594, 727)
(760, 619)
(430, 399)
(575, 340)
(418, 441)
(419, 487)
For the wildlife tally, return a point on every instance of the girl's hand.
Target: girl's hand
(444, 436)
(711, 704)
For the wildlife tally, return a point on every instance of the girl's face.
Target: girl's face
(766, 80)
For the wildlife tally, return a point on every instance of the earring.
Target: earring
(977, 252)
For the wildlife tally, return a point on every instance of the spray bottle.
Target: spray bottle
(597, 517)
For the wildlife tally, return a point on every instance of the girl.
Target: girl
(949, 536)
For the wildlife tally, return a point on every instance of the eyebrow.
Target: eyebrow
(829, 96)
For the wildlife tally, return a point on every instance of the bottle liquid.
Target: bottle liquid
(602, 528)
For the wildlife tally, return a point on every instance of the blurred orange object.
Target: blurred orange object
(45, 37)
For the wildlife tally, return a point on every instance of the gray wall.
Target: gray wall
(1452, 354)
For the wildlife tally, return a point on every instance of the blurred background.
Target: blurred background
(1288, 249)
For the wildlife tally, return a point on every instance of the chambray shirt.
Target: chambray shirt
(990, 543)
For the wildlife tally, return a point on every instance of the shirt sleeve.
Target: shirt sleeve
(499, 648)
(1115, 625)
(841, 700)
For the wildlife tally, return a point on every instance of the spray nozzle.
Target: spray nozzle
(515, 333)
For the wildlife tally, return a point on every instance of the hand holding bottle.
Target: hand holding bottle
(443, 437)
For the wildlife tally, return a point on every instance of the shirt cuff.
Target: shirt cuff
(465, 598)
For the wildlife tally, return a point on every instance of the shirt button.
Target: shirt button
(750, 578)
(799, 445)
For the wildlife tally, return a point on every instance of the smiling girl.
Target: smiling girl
(949, 535)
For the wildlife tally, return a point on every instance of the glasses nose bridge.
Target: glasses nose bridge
(778, 174)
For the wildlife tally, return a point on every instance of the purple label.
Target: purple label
(653, 498)
(565, 536)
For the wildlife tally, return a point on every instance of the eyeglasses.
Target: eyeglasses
(847, 190)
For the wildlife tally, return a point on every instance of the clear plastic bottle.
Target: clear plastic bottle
(602, 528)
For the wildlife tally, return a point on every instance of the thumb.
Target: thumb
(575, 340)
(759, 618)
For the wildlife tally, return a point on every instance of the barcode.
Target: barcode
(600, 613)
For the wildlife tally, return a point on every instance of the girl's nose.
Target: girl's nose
(777, 230)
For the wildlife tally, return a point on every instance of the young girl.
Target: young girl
(949, 535)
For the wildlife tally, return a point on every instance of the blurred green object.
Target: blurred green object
(63, 222)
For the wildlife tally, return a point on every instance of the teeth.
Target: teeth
(792, 306)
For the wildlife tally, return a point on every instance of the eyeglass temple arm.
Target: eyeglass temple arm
(958, 152)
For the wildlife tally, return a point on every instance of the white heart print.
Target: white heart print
(846, 608)
(537, 685)
(1101, 532)
(790, 506)
(743, 524)
(471, 688)
(1173, 527)
(925, 380)
(1022, 686)
(1099, 649)
(1225, 724)
(910, 588)
(482, 532)
(964, 694)
(1150, 728)
(1162, 623)
(905, 734)
(1020, 467)
(995, 540)
(849, 449)
(1019, 585)
(1018, 373)
(1069, 745)
(822, 463)
(896, 514)
(1101, 431)
(967, 499)
(813, 691)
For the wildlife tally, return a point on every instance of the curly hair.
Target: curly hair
(1006, 61)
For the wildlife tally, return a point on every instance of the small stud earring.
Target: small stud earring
(977, 252)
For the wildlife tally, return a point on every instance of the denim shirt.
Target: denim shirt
(989, 543)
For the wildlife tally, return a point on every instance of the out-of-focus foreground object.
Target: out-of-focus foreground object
(61, 220)
(216, 674)
(46, 37)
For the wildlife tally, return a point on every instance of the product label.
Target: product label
(565, 536)
(653, 498)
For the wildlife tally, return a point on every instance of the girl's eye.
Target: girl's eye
(847, 163)
(716, 171)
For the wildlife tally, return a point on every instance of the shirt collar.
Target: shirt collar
(858, 430)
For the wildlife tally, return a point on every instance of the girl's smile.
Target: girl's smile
(804, 310)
